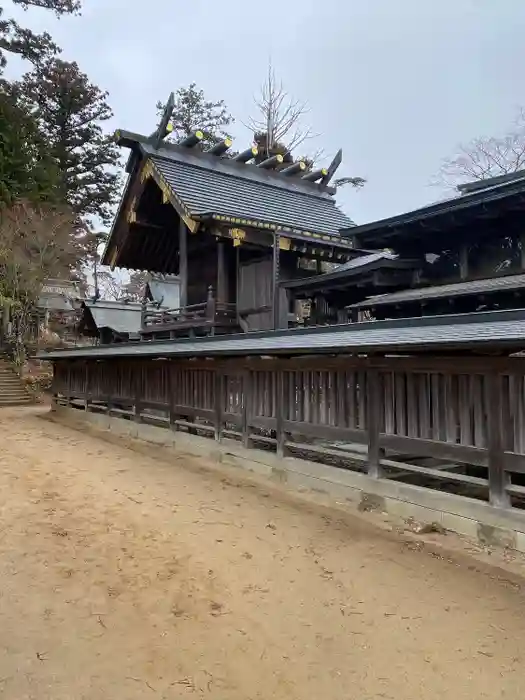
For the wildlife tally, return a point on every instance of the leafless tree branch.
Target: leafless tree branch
(486, 157)
(279, 116)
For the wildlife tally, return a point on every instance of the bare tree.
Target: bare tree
(36, 243)
(486, 157)
(278, 124)
(110, 286)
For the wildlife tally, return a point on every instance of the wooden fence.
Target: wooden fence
(455, 424)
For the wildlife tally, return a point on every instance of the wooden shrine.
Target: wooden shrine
(232, 231)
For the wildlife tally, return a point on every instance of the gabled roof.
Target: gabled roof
(456, 289)
(210, 186)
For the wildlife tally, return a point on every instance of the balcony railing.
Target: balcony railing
(207, 318)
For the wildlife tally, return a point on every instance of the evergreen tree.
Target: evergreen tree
(27, 170)
(25, 43)
(70, 113)
(192, 111)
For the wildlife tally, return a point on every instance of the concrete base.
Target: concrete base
(475, 519)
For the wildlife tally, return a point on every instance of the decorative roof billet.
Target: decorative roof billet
(209, 186)
(441, 291)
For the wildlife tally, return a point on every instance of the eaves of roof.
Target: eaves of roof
(478, 331)
(471, 287)
(464, 202)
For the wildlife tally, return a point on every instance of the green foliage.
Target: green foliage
(25, 43)
(70, 113)
(26, 167)
(192, 111)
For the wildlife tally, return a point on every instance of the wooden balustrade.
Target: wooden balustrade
(453, 423)
(204, 318)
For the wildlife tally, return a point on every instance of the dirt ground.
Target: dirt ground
(124, 577)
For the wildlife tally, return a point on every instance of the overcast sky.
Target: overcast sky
(396, 83)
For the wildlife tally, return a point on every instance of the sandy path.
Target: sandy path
(124, 578)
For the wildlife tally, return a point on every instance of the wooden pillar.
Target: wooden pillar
(246, 406)
(498, 477)
(138, 392)
(218, 402)
(183, 263)
(222, 276)
(275, 281)
(373, 422)
(280, 404)
(86, 391)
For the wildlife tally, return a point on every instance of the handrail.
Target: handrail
(203, 312)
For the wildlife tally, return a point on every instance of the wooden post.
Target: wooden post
(138, 394)
(498, 477)
(373, 421)
(246, 406)
(275, 281)
(210, 304)
(183, 263)
(86, 391)
(279, 414)
(218, 402)
(222, 277)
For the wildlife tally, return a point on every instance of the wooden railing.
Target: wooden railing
(457, 424)
(205, 317)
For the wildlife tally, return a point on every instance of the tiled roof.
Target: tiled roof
(239, 195)
(486, 286)
(462, 331)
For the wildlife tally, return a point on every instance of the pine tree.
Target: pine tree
(25, 43)
(192, 111)
(70, 113)
(27, 170)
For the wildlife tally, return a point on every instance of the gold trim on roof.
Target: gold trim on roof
(169, 196)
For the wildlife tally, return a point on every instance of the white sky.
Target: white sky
(397, 83)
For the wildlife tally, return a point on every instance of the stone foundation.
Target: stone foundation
(475, 519)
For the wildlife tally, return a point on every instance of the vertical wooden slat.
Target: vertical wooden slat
(388, 384)
(498, 478)
(465, 428)
(412, 427)
(423, 391)
(373, 423)
(218, 389)
(246, 406)
(507, 422)
(279, 413)
(400, 406)
(361, 400)
(451, 408)
(476, 384)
